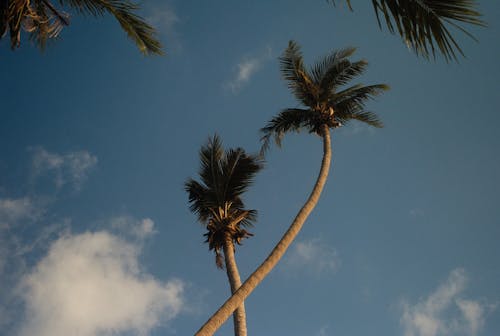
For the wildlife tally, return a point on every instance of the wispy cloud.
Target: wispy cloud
(13, 210)
(245, 69)
(92, 284)
(70, 168)
(323, 331)
(138, 229)
(313, 255)
(416, 212)
(21, 239)
(444, 312)
(164, 19)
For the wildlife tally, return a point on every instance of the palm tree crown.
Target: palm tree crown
(43, 21)
(319, 90)
(424, 24)
(225, 176)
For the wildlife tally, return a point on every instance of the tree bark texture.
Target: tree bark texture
(239, 315)
(279, 250)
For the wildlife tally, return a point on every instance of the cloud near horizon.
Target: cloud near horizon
(444, 311)
(91, 284)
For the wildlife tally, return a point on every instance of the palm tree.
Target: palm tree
(43, 21)
(326, 107)
(225, 176)
(424, 25)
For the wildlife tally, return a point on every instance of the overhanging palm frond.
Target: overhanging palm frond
(123, 10)
(424, 25)
(44, 21)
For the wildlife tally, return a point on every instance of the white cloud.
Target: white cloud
(473, 312)
(313, 255)
(71, 168)
(91, 284)
(444, 312)
(245, 69)
(140, 229)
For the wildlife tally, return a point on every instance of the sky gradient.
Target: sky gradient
(96, 141)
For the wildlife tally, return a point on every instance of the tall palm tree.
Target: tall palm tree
(225, 176)
(327, 106)
(424, 25)
(43, 20)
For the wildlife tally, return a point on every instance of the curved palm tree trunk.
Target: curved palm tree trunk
(239, 315)
(279, 250)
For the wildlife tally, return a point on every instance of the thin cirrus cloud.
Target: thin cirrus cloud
(245, 70)
(445, 311)
(13, 210)
(164, 19)
(313, 255)
(91, 284)
(70, 168)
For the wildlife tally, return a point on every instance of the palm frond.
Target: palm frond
(350, 104)
(123, 10)
(358, 94)
(290, 119)
(369, 118)
(44, 21)
(249, 219)
(200, 200)
(299, 80)
(239, 170)
(211, 156)
(424, 24)
(341, 74)
(324, 67)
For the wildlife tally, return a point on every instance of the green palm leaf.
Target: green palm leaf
(43, 21)
(290, 119)
(424, 25)
(123, 10)
(298, 78)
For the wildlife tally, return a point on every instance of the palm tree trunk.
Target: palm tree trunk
(239, 316)
(279, 250)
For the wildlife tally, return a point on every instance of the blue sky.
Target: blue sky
(97, 140)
